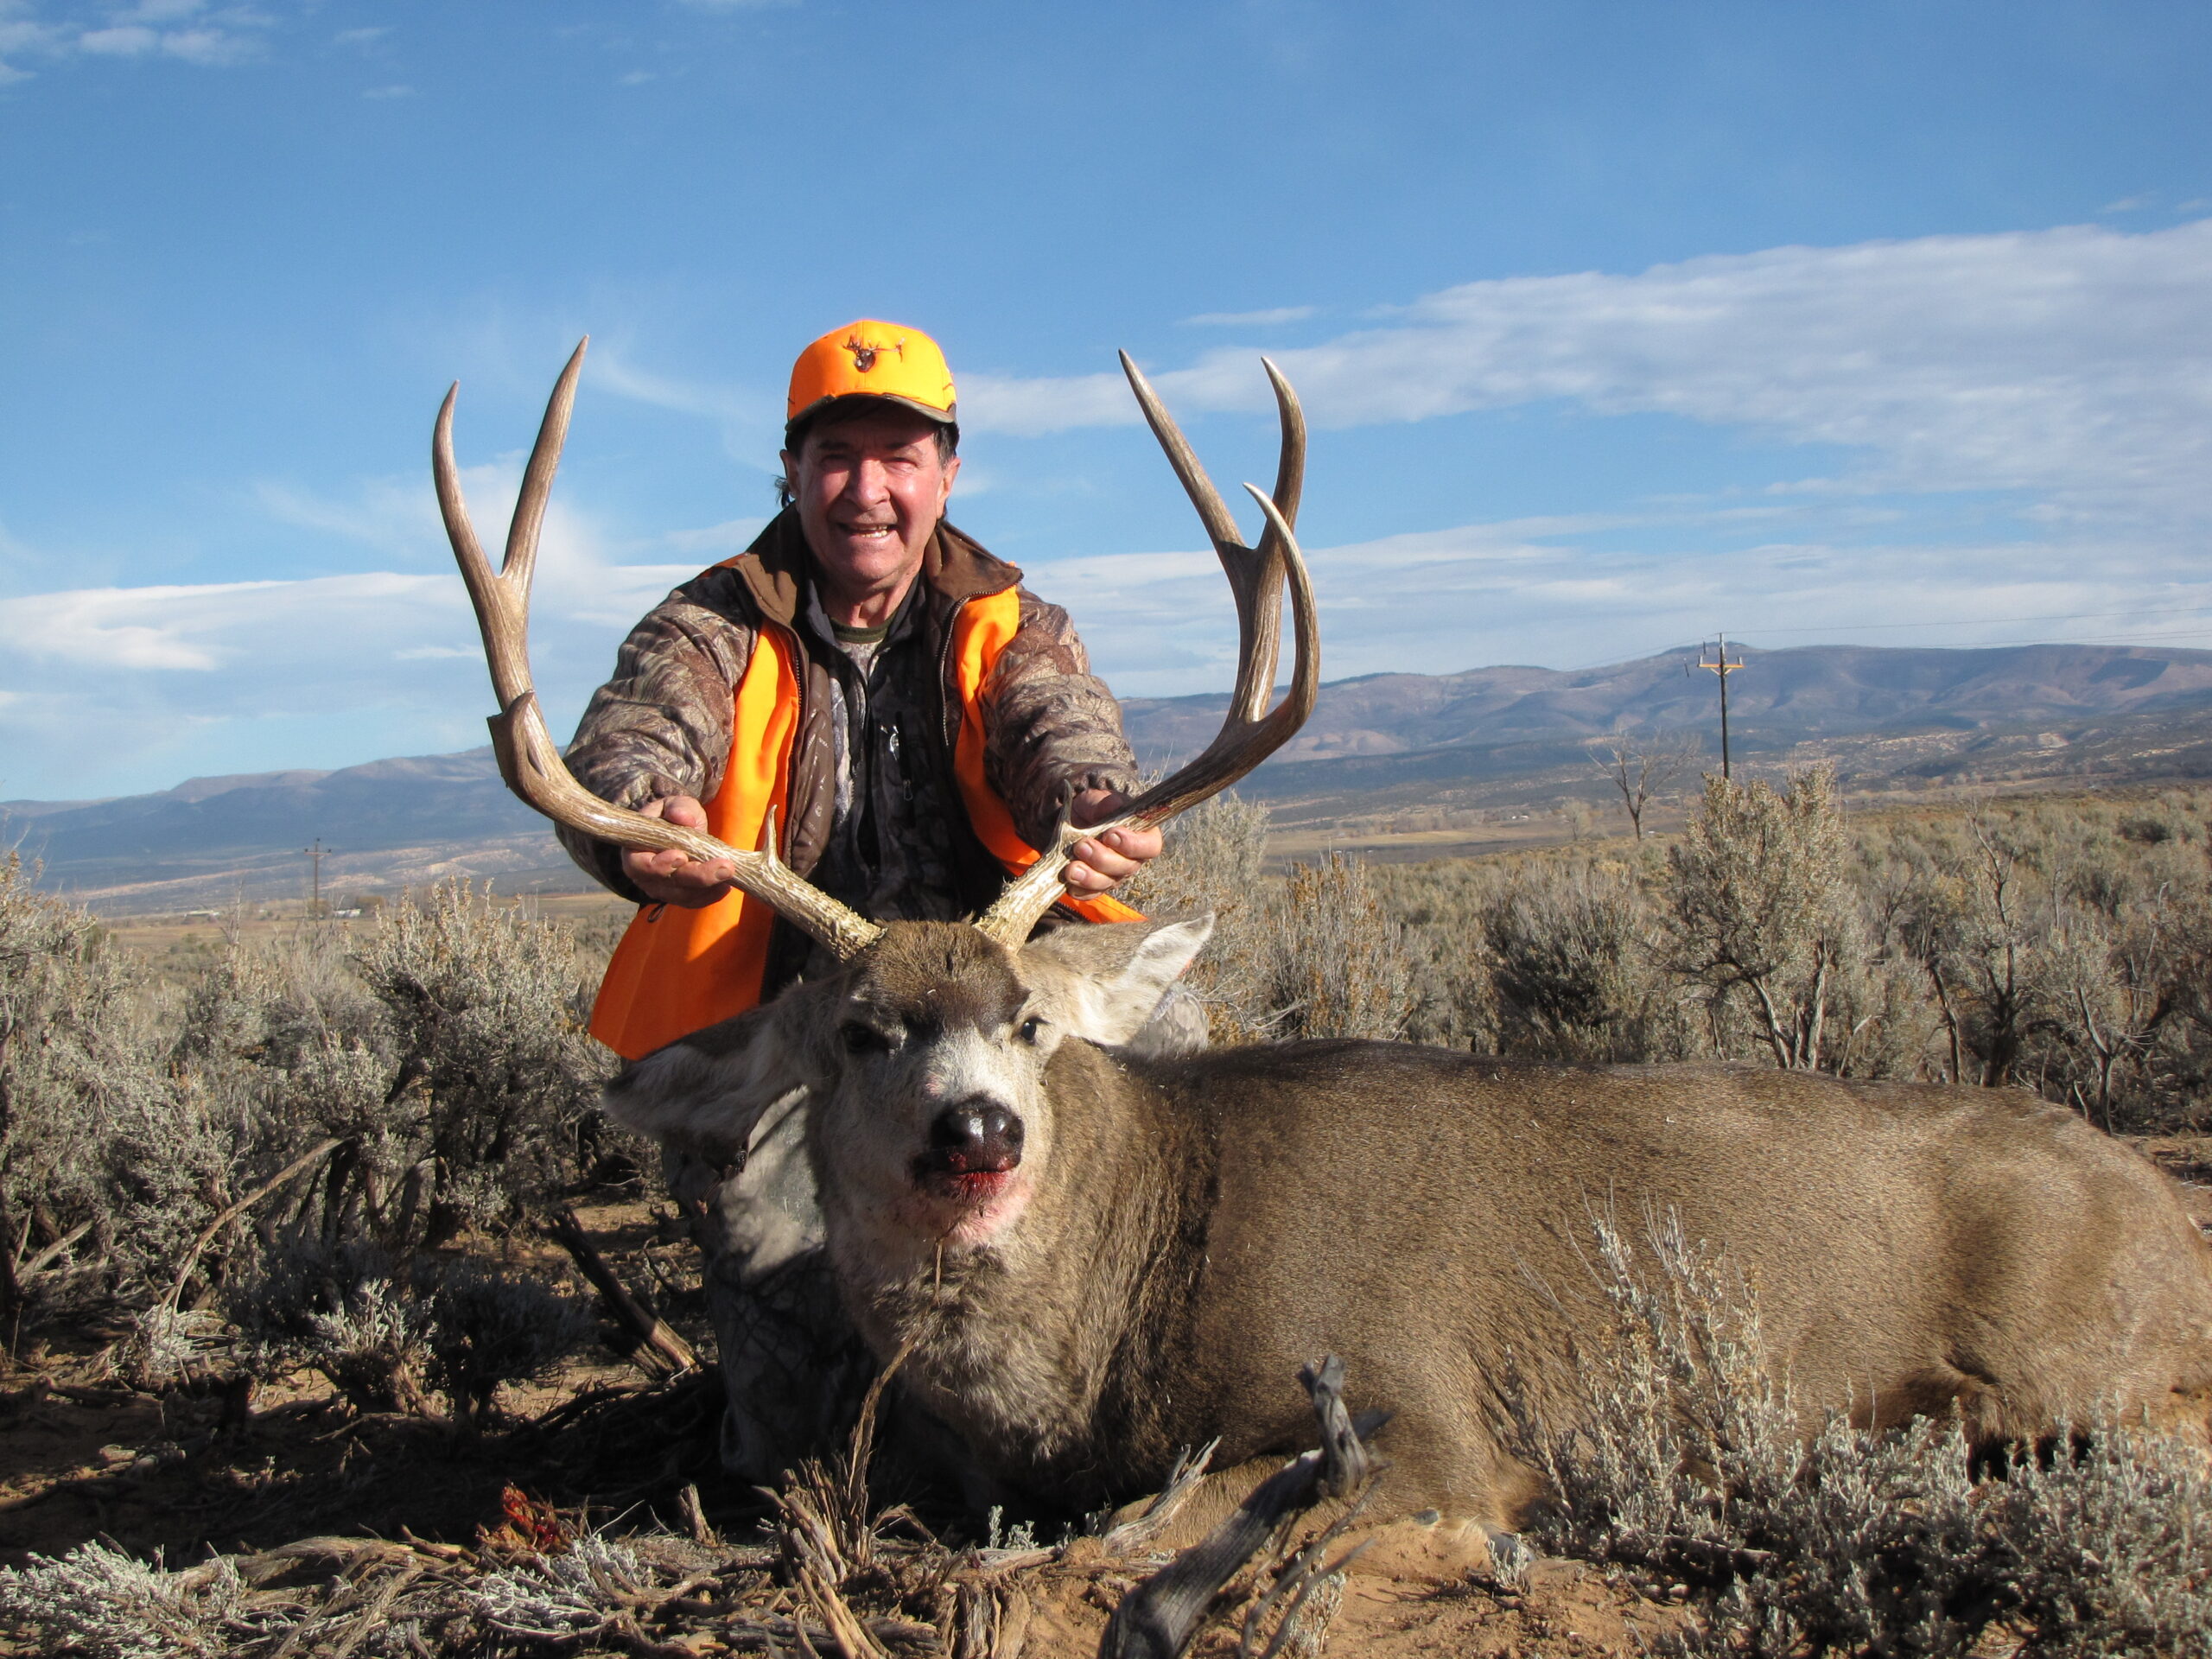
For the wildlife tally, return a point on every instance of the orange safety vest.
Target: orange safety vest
(677, 971)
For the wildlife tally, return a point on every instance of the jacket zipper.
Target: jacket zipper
(797, 662)
(944, 697)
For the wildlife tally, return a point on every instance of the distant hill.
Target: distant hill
(1376, 745)
(1782, 696)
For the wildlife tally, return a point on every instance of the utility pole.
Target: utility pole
(317, 853)
(1722, 669)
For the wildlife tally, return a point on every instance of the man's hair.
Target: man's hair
(850, 409)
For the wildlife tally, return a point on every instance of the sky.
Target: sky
(1618, 325)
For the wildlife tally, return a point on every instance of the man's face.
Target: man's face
(869, 491)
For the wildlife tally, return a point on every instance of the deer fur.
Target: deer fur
(1181, 1234)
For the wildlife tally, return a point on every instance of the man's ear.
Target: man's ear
(1104, 979)
(703, 1093)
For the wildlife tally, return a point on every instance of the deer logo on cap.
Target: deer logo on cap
(864, 356)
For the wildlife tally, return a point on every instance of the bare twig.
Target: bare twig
(299, 1166)
(661, 1351)
(1159, 1618)
(1182, 1480)
(37, 1264)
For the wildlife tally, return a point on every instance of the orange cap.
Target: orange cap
(873, 359)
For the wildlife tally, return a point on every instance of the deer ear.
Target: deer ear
(1105, 978)
(703, 1093)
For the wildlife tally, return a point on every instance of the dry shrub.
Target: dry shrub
(1215, 862)
(443, 1054)
(109, 1163)
(1317, 955)
(97, 1600)
(1332, 962)
(384, 1335)
(1568, 948)
(1678, 1452)
(1758, 908)
(484, 1012)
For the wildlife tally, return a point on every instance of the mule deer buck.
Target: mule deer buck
(1094, 1258)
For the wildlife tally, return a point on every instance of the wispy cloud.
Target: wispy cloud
(213, 625)
(2075, 360)
(1576, 592)
(1271, 319)
(190, 31)
(123, 673)
(401, 91)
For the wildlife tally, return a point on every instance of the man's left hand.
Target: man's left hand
(1100, 863)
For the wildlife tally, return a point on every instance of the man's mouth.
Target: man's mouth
(868, 532)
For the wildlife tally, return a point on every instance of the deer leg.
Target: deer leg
(794, 1370)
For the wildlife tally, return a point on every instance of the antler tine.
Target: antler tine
(1255, 578)
(1290, 465)
(1219, 526)
(521, 561)
(530, 760)
(1248, 733)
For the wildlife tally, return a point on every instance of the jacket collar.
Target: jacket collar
(778, 569)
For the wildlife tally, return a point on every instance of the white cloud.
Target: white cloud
(2074, 361)
(149, 29)
(358, 36)
(612, 371)
(213, 625)
(125, 40)
(1269, 319)
(401, 91)
(1581, 591)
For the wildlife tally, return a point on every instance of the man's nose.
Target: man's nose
(868, 481)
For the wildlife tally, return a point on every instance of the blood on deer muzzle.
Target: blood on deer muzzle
(973, 1148)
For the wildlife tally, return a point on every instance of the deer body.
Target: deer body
(1174, 1237)
(1090, 1260)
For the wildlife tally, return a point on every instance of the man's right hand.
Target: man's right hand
(670, 877)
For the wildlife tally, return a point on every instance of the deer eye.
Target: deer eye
(1030, 1027)
(860, 1039)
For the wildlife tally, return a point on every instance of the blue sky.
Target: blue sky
(1618, 324)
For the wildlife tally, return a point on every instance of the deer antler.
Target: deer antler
(1248, 734)
(530, 761)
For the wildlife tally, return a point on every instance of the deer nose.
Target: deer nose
(976, 1136)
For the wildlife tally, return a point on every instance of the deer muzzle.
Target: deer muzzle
(974, 1147)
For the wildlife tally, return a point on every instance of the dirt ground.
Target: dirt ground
(295, 1482)
(204, 1470)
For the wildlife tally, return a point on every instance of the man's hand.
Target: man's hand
(670, 877)
(1111, 858)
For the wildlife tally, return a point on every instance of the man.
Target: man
(912, 722)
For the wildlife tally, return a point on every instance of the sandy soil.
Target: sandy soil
(203, 1469)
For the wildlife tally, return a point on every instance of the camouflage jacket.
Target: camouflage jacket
(874, 816)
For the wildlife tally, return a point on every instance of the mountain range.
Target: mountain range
(1376, 748)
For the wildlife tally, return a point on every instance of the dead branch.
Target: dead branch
(305, 1161)
(1159, 1618)
(36, 1265)
(1182, 1480)
(660, 1351)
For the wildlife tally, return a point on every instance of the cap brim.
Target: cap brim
(942, 417)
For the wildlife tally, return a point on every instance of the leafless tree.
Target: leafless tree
(1641, 765)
